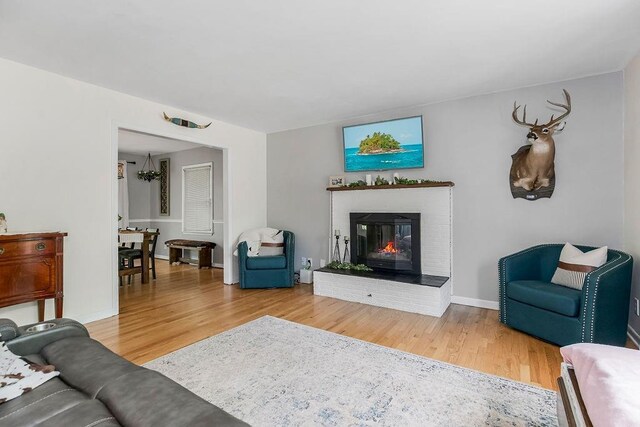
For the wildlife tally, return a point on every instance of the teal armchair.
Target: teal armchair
(268, 271)
(530, 303)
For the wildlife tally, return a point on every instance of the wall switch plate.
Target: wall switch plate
(303, 262)
(323, 263)
(637, 306)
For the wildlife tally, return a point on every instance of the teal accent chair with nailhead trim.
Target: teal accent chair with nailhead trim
(530, 303)
(268, 271)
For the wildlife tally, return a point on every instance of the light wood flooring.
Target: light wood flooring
(185, 305)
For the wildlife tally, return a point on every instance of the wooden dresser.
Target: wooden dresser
(31, 269)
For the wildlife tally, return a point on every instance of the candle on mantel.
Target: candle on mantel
(337, 232)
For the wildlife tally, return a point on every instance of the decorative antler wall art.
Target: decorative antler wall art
(532, 173)
(186, 123)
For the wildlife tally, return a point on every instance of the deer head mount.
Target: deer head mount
(532, 169)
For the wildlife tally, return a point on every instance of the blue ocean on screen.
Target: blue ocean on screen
(407, 132)
(411, 157)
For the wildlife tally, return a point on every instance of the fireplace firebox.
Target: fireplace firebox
(386, 242)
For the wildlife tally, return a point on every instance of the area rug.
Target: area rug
(272, 372)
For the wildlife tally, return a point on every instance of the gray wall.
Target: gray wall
(146, 205)
(632, 177)
(173, 230)
(470, 141)
(139, 191)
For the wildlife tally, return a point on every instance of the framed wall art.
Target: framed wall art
(165, 201)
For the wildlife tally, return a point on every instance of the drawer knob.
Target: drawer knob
(41, 246)
(1, 251)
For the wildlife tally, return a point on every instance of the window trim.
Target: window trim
(211, 228)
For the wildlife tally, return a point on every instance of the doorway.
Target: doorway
(154, 195)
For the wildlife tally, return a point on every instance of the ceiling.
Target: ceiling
(141, 143)
(282, 64)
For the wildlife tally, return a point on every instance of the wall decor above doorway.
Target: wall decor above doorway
(185, 123)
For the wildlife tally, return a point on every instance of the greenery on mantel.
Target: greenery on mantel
(379, 181)
(336, 265)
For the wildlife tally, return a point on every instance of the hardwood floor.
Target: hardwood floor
(185, 305)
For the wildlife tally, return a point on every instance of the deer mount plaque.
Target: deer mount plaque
(532, 174)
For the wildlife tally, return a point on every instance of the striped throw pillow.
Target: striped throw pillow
(574, 265)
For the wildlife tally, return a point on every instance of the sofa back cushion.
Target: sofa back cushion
(149, 399)
(85, 364)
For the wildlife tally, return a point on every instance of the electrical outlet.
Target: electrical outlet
(310, 263)
(323, 263)
(637, 306)
(303, 262)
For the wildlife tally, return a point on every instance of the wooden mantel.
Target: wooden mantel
(390, 186)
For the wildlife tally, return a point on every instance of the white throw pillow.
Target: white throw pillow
(574, 265)
(272, 242)
(18, 377)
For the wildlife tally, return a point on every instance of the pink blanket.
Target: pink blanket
(609, 381)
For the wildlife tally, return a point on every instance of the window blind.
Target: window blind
(197, 203)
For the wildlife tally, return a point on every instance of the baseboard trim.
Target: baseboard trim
(214, 265)
(95, 316)
(634, 336)
(473, 302)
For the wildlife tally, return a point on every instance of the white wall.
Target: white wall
(470, 141)
(632, 177)
(57, 172)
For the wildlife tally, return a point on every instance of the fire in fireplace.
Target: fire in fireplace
(387, 242)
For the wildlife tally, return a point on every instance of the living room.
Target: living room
(274, 91)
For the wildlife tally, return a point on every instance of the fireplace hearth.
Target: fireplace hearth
(386, 242)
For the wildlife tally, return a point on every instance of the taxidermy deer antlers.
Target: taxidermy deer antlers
(532, 166)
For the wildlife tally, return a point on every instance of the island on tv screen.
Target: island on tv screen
(394, 144)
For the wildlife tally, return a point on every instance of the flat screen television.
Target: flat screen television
(392, 144)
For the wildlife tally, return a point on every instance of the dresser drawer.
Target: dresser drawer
(27, 248)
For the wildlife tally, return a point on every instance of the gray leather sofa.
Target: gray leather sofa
(96, 387)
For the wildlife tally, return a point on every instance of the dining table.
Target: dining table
(143, 237)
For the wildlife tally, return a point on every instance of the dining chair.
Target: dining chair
(123, 251)
(135, 254)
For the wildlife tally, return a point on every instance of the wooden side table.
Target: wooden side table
(31, 269)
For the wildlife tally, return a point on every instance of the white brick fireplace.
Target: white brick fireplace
(434, 204)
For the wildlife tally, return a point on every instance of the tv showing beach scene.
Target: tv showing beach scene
(392, 144)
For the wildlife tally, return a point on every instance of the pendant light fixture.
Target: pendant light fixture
(150, 174)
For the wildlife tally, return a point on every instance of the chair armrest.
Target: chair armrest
(289, 248)
(243, 250)
(27, 342)
(523, 265)
(8, 329)
(290, 254)
(605, 301)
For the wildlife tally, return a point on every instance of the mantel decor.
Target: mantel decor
(150, 174)
(422, 184)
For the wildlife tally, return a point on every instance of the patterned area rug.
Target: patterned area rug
(272, 372)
